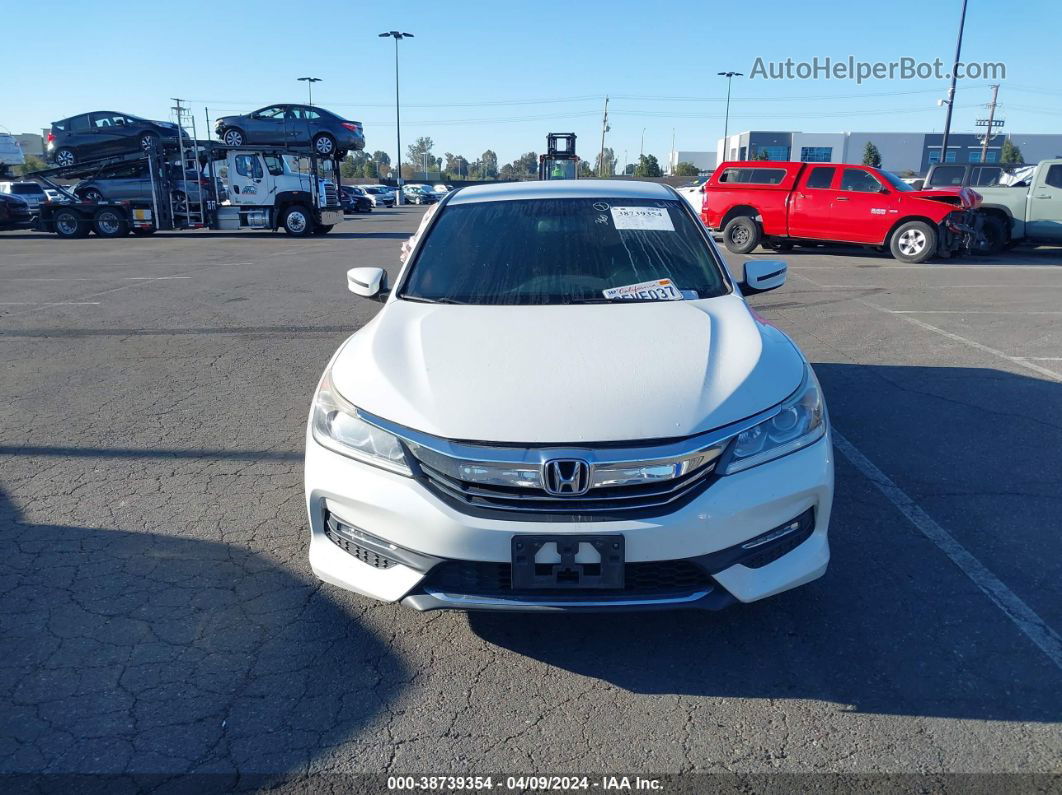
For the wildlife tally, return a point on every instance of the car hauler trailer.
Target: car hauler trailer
(268, 188)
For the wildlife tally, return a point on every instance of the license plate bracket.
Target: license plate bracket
(535, 563)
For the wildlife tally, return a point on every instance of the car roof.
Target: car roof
(563, 189)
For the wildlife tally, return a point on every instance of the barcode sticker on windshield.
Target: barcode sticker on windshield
(646, 218)
(656, 290)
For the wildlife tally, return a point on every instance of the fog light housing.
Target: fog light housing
(770, 546)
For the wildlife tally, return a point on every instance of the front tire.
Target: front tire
(742, 234)
(110, 222)
(324, 145)
(913, 242)
(298, 221)
(70, 225)
(149, 142)
(995, 235)
(233, 137)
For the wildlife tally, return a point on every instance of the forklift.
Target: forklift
(560, 160)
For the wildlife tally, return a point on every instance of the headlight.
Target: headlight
(337, 426)
(800, 421)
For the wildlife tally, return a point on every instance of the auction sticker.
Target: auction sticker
(653, 219)
(656, 290)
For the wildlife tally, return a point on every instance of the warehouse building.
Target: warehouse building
(901, 152)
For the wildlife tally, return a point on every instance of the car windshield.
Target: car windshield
(563, 251)
(27, 188)
(896, 182)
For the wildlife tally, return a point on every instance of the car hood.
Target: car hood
(967, 198)
(566, 374)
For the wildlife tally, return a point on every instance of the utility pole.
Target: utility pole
(991, 119)
(951, 91)
(673, 160)
(604, 129)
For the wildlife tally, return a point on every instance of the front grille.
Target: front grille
(329, 193)
(364, 554)
(607, 502)
(486, 579)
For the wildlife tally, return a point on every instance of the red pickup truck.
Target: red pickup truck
(775, 203)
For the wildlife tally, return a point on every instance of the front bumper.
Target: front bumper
(417, 533)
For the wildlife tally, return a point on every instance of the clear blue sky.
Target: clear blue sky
(490, 74)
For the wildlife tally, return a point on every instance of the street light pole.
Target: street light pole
(309, 81)
(951, 91)
(726, 119)
(398, 126)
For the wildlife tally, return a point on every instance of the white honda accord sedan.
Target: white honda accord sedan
(565, 403)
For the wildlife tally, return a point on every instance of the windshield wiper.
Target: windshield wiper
(613, 301)
(420, 300)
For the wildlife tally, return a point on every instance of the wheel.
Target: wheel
(91, 195)
(741, 234)
(914, 241)
(144, 231)
(110, 222)
(995, 236)
(70, 225)
(180, 203)
(298, 221)
(324, 144)
(65, 157)
(323, 229)
(149, 142)
(233, 137)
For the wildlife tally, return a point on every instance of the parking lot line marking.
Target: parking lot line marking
(1016, 360)
(972, 312)
(49, 303)
(1023, 616)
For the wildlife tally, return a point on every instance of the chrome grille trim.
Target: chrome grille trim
(611, 501)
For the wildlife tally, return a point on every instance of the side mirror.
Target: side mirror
(368, 282)
(763, 275)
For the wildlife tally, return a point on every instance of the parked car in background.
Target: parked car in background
(775, 203)
(326, 132)
(14, 212)
(132, 182)
(1020, 203)
(354, 200)
(104, 132)
(381, 195)
(694, 193)
(441, 190)
(30, 192)
(419, 194)
(700, 475)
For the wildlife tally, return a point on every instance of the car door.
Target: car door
(1045, 204)
(859, 208)
(245, 179)
(809, 205)
(303, 124)
(108, 130)
(267, 126)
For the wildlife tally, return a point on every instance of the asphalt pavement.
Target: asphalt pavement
(158, 613)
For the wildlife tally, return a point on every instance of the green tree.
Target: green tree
(871, 155)
(381, 163)
(685, 169)
(489, 164)
(647, 167)
(526, 165)
(507, 171)
(347, 168)
(629, 169)
(33, 163)
(1010, 153)
(585, 170)
(607, 166)
(762, 155)
(419, 156)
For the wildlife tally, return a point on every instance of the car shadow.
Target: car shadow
(130, 651)
(894, 628)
